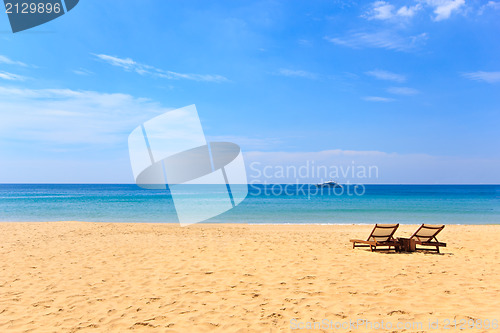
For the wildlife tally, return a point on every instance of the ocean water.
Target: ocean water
(267, 204)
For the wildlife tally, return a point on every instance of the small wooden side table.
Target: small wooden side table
(407, 244)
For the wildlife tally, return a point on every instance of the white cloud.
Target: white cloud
(489, 77)
(494, 5)
(382, 39)
(55, 118)
(80, 136)
(297, 73)
(386, 75)
(126, 63)
(382, 10)
(195, 77)
(408, 11)
(11, 76)
(386, 168)
(305, 42)
(378, 99)
(444, 8)
(8, 61)
(402, 91)
(82, 71)
(142, 69)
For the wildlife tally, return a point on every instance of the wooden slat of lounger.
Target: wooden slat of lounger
(427, 232)
(431, 243)
(381, 235)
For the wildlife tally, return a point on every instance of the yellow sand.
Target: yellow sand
(101, 277)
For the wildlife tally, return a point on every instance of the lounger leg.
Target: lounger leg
(371, 248)
(437, 249)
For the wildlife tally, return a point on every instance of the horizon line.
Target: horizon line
(427, 184)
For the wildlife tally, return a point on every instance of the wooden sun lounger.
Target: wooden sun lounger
(381, 235)
(426, 236)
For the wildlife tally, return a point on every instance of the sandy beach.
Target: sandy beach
(115, 277)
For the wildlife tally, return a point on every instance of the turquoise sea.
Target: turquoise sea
(267, 204)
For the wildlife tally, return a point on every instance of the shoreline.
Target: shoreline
(261, 224)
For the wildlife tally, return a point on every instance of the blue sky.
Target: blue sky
(414, 83)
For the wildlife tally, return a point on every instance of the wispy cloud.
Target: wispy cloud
(130, 65)
(63, 117)
(490, 77)
(126, 63)
(382, 10)
(402, 91)
(194, 77)
(386, 75)
(8, 61)
(382, 39)
(389, 167)
(408, 11)
(11, 76)
(494, 5)
(82, 71)
(297, 73)
(378, 99)
(444, 8)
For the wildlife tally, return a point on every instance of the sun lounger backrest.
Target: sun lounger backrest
(427, 232)
(383, 232)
